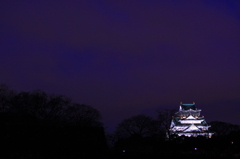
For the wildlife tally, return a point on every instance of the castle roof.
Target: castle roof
(188, 106)
(192, 128)
(180, 121)
(191, 117)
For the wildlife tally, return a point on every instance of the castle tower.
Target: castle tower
(188, 122)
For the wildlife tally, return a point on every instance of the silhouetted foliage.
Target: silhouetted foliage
(133, 138)
(222, 128)
(141, 125)
(137, 135)
(37, 125)
(57, 109)
(83, 115)
(6, 96)
(165, 118)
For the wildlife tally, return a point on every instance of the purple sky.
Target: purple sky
(126, 57)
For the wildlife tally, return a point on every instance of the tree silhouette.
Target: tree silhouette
(63, 128)
(83, 115)
(141, 125)
(48, 108)
(165, 118)
(6, 96)
(222, 128)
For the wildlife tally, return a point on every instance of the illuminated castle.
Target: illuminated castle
(187, 122)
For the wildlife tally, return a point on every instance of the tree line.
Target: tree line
(143, 136)
(40, 125)
(49, 109)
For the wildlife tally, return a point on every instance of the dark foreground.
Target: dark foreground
(75, 143)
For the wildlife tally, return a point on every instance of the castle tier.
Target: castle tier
(188, 122)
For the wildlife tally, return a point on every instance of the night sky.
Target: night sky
(126, 57)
